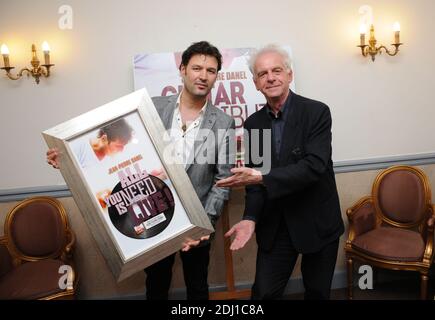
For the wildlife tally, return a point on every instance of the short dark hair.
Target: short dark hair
(201, 47)
(118, 129)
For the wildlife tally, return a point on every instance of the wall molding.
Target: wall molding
(295, 285)
(18, 194)
(383, 162)
(59, 191)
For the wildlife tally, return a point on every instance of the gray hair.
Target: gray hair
(269, 48)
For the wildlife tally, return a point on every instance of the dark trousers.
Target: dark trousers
(275, 267)
(195, 271)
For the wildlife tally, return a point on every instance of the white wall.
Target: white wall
(379, 109)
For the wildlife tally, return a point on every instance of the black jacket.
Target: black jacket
(300, 188)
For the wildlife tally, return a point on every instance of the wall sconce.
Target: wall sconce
(36, 71)
(371, 48)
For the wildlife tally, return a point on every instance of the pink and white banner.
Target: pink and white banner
(234, 91)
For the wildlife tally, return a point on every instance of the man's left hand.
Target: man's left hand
(241, 177)
(190, 243)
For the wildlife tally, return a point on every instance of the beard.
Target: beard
(195, 91)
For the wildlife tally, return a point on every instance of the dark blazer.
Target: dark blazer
(300, 188)
(204, 176)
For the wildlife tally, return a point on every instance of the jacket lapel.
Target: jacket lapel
(168, 112)
(206, 126)
(289, 136)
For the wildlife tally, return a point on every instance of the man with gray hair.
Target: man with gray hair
(294, 208)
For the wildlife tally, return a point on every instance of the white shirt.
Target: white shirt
(183, 141)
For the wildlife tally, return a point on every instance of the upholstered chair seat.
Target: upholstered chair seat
(391, 244)
(32, 280)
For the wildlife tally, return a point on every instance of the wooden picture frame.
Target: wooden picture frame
(136, 216)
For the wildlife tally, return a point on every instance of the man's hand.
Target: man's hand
(53, 157)
(241, 177)
(102, 197)
(243, 231)
(159, 173)
(190, 243)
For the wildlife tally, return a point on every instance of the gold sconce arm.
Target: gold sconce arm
(372, 50)
(390, 53)
(37, 71)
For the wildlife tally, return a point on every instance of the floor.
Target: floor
(393, 285)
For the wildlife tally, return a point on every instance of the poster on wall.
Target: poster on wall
(234, 91)
(138, 206)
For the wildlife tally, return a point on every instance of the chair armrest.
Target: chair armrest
(430, 222)
(6, 263)
(362, 217)
(69, 248)
(429, 237)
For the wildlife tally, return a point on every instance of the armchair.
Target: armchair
(37, 252)
(389, 229)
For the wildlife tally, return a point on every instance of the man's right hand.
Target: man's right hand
(243, 231)
(53, 157)
(159, 173)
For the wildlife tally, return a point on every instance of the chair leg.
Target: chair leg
(349, 278)
(423, 286)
